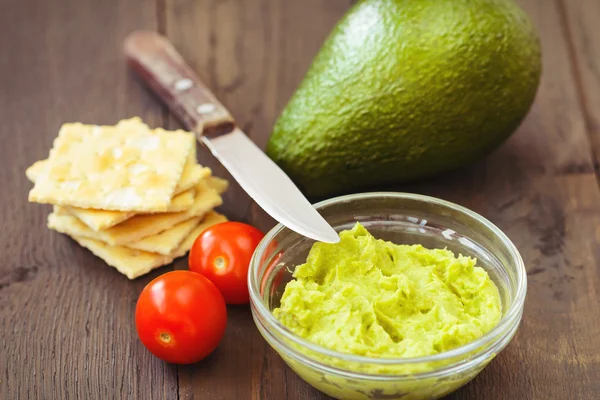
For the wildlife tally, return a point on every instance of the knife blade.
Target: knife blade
(163, 69)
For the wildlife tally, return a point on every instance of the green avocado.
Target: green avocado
(406, 89)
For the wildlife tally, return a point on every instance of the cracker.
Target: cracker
(182, 201)
(167, 241)
(132, 123)
(139, 226)
(219, 184)
(212, 218)
(192, 174)
(113, 168)
(103, 219)
(129, 262)
(135, 263)
(35, 170)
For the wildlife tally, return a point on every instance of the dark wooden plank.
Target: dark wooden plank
(252, 54)
(580, 19)
(73, 315)
(67, 319)
(539, 187)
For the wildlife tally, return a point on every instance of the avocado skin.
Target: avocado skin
(406, 89)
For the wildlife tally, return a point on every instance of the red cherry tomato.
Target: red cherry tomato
(181, 317)
(222, 253)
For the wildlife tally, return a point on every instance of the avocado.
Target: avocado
(406, 89)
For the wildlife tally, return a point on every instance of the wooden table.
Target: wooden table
(66, 319)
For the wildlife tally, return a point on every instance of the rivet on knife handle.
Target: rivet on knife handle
(156, 60)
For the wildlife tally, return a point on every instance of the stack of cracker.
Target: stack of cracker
(135, 197)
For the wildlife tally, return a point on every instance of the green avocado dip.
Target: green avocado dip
(370, 297)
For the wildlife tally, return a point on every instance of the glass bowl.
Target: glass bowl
(403, 219)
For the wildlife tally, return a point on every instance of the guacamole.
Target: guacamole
(374, 298)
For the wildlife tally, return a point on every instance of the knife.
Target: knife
(163, 69)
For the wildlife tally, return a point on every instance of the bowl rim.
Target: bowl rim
(510, 318)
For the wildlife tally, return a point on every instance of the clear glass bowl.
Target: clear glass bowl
(402, 219)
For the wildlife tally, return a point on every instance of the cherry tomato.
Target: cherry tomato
(222, 253)
(181, 317)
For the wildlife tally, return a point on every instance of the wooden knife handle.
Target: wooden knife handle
(163, 69)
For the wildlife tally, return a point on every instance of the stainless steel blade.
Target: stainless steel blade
(269, 186)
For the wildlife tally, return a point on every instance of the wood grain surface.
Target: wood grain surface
(66, 319)
(580, 20)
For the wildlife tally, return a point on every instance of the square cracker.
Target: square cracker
(103, 219)
(113, 168)
(135, 263)
(192, 174)
(164, 243)
(167, 241)
(140, 226)
(129, 262)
